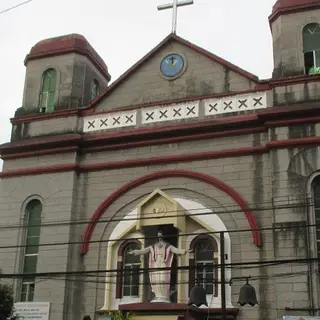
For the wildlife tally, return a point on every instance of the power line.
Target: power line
(89, 221)
(245, 263)
(254, 278)
(16, 6)
(156, 237)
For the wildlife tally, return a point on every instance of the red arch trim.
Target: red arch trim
(166, 174)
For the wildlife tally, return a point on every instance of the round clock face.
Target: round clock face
(172, 65)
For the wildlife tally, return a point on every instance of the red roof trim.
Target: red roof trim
(70, 43)
(66, 51)
(292, 9)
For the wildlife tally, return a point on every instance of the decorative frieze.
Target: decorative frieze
(170, 112)
(109, 121)
(239, 103)
(173, 112)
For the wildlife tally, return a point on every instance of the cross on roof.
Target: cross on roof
(174, 6)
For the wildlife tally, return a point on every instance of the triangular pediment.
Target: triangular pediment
(200, 73)
(159, 208)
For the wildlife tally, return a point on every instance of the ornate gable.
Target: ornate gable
(176, 82)
(175, 69)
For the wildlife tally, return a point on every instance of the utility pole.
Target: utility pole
(223, 276)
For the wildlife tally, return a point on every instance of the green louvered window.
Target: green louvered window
(48, 91)
(33, 228)
(311, 48)
(95, 89)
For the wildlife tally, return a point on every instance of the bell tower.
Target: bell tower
(62, 73)
(295, 27)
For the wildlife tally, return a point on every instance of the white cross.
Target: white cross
(174, 6)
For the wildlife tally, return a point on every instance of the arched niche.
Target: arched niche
(207, 223)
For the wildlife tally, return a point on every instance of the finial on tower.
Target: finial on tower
(174, 6)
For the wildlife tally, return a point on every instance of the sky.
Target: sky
(123, 31)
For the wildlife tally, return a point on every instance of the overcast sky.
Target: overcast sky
(122, 31)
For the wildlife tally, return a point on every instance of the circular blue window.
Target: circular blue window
(172, 65)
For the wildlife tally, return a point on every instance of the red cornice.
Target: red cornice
(214, 182)
(69, 43)
(292, 9)
(45, 116)
(290, 122)
(34, 144)
(294, 143)
(102, 146)
(228, 153)
(137, 162)
(290, 112)
(90, 57)
(185, 138)
(141, 162)
(262, 86)
(293, 80)
(212, 128)
(38, 153)
(38, 170)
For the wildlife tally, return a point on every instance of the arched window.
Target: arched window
(33, 218)
(48, 91)
(311, 48)
(95, 89)
(316, 198)
(128, 266)
(203, 270)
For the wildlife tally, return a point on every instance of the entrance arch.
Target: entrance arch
(256, 236)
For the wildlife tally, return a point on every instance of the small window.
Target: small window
(131, 268)
(311, 48)
(203, 265)
(128, 270)
(48, 91)
(33, 216)
(95, 89)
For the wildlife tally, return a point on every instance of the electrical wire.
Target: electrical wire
(303, 225)
(89, 221)
(143, 270)
(16, 6)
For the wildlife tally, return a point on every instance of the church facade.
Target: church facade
(186, 163)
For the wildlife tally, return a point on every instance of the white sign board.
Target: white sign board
(300, 318)
(32, 310)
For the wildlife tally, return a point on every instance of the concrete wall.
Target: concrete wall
(56, 192)
(262, 180)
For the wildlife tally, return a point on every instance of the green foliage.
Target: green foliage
(6, 301)
(119, 316)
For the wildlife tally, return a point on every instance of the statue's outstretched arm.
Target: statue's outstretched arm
(140, 252)
(177, 251)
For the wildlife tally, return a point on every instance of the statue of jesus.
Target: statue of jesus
(160, 256)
